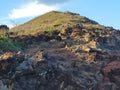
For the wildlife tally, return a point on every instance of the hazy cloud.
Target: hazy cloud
(31, 9)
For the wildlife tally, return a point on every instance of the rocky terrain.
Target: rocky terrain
(82, 56)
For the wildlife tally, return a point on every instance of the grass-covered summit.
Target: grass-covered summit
(53, 20)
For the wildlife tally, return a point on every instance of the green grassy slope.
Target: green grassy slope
(52, 21)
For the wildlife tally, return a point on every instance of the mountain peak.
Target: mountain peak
(48, 20)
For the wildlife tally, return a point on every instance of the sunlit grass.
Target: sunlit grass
(49, 20)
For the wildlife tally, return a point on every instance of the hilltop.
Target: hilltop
(53, 21)
(62, 51)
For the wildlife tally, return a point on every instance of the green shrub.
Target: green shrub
(6, 44)
(49, 31)
(98, 31)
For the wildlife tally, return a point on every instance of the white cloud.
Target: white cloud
(30, 10)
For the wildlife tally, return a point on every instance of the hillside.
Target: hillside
(56, 21)
(62, 51)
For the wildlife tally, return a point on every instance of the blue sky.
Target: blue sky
(105, 12)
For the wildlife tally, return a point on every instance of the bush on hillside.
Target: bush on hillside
(6, 44)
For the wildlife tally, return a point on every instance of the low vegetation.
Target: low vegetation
(6, 44)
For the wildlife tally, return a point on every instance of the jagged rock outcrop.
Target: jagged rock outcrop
(60, 69)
